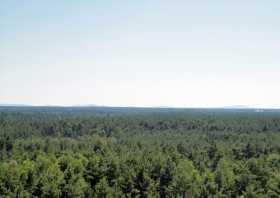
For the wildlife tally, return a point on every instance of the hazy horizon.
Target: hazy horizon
(145, 54)
(124, 106)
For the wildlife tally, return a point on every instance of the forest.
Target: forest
(125, 152)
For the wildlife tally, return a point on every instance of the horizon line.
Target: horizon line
(135, 106)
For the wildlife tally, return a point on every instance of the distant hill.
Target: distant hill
(238, 107)
(118, 110)
(15, 105)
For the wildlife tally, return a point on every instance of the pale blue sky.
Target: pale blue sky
(140, 53)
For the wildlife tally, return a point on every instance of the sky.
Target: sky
(178, 53)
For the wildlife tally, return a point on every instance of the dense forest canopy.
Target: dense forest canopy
(139, 152)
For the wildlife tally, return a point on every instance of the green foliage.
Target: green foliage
(149, 154)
